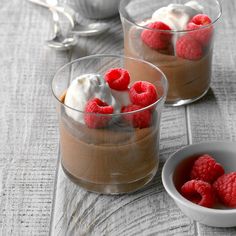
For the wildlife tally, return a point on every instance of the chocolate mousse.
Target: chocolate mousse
(117, 158)
(108, 160)
(188, 79)
(177, 38)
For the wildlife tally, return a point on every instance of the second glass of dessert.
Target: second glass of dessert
(109, 120)
(177, 36)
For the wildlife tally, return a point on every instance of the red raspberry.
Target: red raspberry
(117, 78)
(97, 106)
(188, 48)
(199, 192)
(225, 188)
(155, 37)
(207, 169)
(143, 93)
(201, 20)
(140, 119)
(201, 35)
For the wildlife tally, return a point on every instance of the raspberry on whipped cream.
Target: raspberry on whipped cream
(88, 86)
(186, 19)
(84, 88)
(175, 17)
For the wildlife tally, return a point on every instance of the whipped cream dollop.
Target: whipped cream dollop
(89, 86)
(176, 16)
(122, 97)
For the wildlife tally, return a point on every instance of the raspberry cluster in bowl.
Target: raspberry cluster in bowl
(141, 94)
(178, 169)
(208, 184)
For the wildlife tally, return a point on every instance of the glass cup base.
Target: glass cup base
(113, 189)
(181, 102)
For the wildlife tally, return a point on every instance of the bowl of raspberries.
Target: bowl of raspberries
(201, 179)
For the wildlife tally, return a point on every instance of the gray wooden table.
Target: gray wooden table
(35, 196)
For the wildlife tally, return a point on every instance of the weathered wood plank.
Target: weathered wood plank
(29, 136)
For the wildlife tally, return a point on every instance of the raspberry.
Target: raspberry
(155, 37)
(225, 188)
(143, 93)
(201, 20)
(117, 78)
(140, 119)
(97, 106)
(199, 192)
(188, 48)
(201, 35)
(207, 169)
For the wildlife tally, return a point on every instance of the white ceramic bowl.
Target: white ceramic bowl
(97, 9)
(224, 153)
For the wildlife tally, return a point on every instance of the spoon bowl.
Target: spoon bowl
(61, 43)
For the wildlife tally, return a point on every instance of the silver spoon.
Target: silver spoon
(60, 42)
(91, 29)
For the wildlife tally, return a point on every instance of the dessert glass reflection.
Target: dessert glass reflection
(182, 48)
(117, 157)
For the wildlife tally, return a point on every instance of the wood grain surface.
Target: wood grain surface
(29, 135)
(36, 198)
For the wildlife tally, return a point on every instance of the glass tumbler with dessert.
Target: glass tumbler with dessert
(177, 36)
(109, 121)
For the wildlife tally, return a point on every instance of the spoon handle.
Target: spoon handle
(56, 24)
(42, 3)
(65, 10)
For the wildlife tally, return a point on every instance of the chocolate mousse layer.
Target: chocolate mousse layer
(114, 159)
(188, 79)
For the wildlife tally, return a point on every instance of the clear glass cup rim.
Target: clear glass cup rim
(165, 84)
(121, 11)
